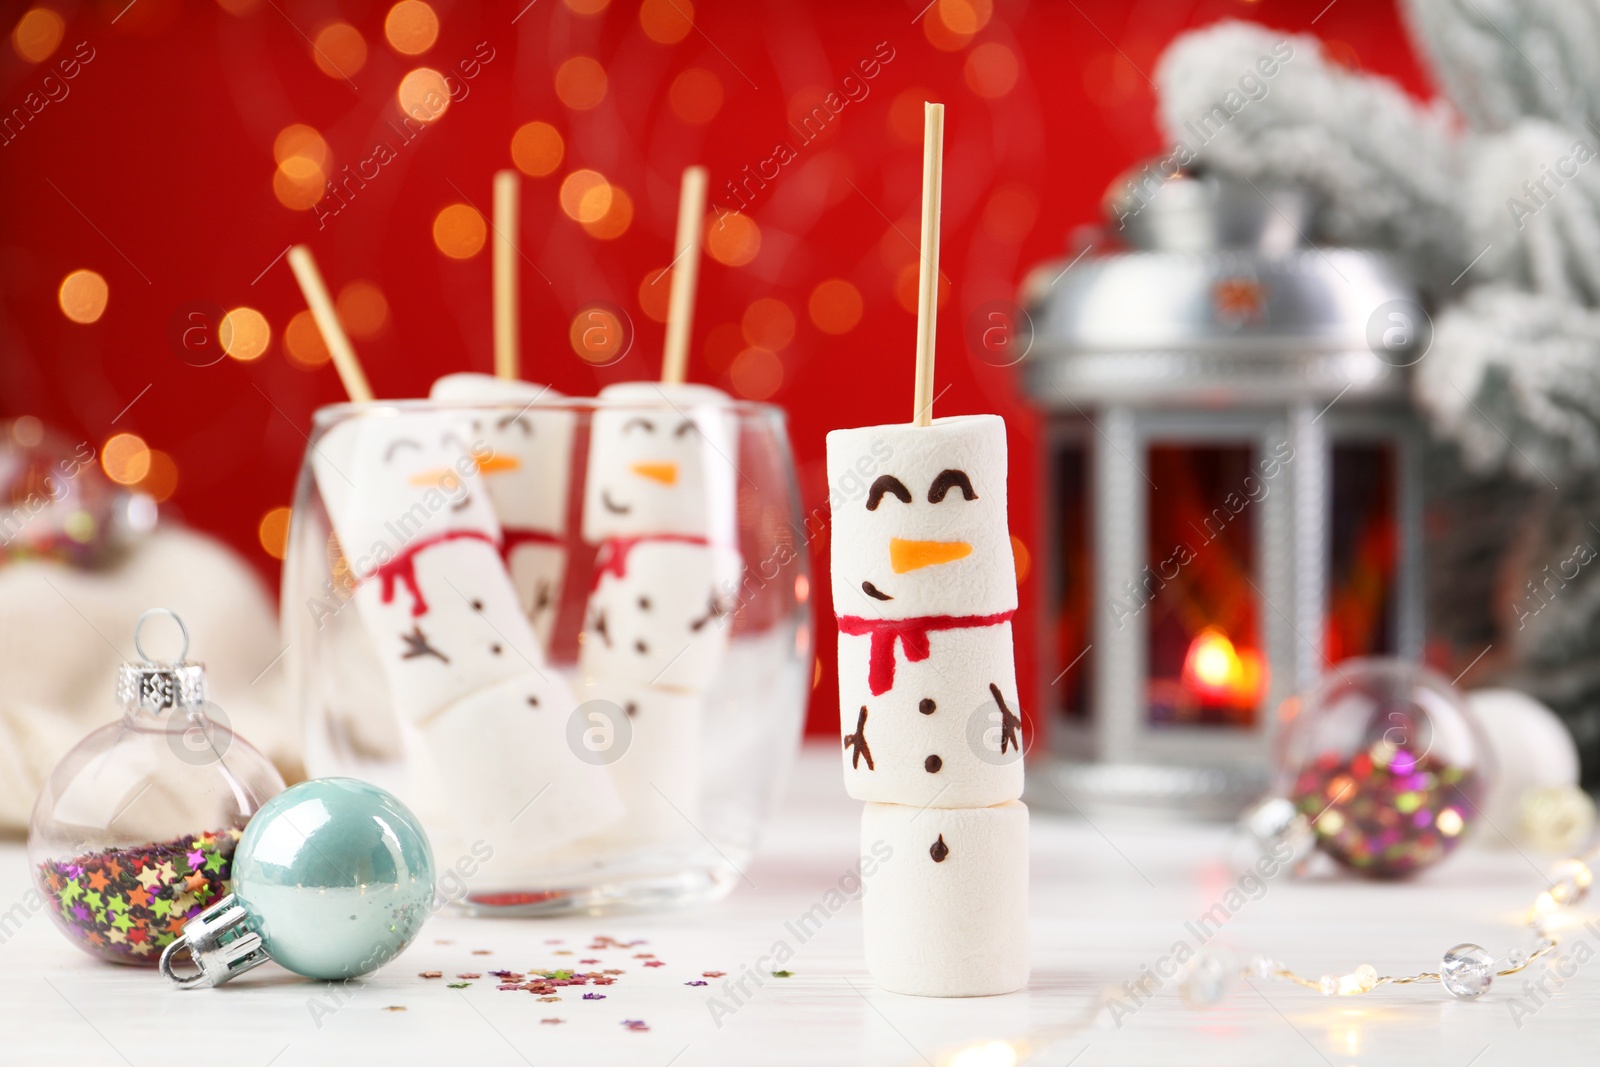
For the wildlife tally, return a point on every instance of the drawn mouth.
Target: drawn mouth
(873, 592)
(466, 498)
(612, 506)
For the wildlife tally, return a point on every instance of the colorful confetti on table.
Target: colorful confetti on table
(127, 904)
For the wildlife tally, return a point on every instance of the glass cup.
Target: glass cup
(572, 635)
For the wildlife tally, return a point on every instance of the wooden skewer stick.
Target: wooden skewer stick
(685, 270)
(928, 272)
(507, 354)
(333, 335)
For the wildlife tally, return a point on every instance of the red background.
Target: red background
(156, 171)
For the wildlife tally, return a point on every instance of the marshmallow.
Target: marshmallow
(659, 614)
(658, 774)
(947, 734)
(946, 913)
(503, 756)
(393, 479)
(462, 663)
(661, 460)
(528, 471)
(919, 520)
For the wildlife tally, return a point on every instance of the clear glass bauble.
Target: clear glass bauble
(1387, 764)
(135, 828)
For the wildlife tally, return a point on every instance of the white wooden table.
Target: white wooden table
(1108, 899)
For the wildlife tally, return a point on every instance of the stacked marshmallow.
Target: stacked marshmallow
(528, 475)
(659, 501)
(924, 589)
(465, 671)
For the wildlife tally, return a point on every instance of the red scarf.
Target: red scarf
(613, 557)
(403, 567)
(912, 633)
(513, 539)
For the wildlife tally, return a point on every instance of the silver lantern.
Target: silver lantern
(1231, 485)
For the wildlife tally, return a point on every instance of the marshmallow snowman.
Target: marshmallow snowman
(462, 662)
(946, 914)
(660, 499)
(527, 471)
(661, 461)
(924, 587)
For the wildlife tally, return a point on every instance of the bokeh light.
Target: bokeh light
(1021, 557)
(1010, 213)
(905, 287)
(339, 50)
(244, 334)
(411, 27)
(423, 94)
(38, 34)
(964, 17)
(363, 309)
(459, 231)
(939, 25)
(585, 196)
(160, 479)
(597, 335)
(906, 115)
(732, 240)
(756, 373)
(696, 95)
(28, 431)
(616, 219)
(581, 83)
(666, 21)
(654, 288)
(767, 323)
(300, 140)
(991, 70)
(302, 341)
(298, 183)
(586, 7)
(835, 306)
(273, 532)
(83, 295)
(537, 149)
(125, 458)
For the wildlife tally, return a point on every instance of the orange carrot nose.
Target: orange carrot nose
(434, 477)
(666, 472)
(907, 556)
(495, 463)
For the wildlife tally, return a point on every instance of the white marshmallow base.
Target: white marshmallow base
(956, 927)
(960, 737)
(498, 750)
(658, 776)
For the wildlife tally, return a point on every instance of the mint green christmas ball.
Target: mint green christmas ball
(337, 875)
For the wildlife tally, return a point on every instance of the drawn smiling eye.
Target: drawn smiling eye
(397, 444)
(684, 427)
(517, 419)
(887, 485)
(639, 421)
(948, 480)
